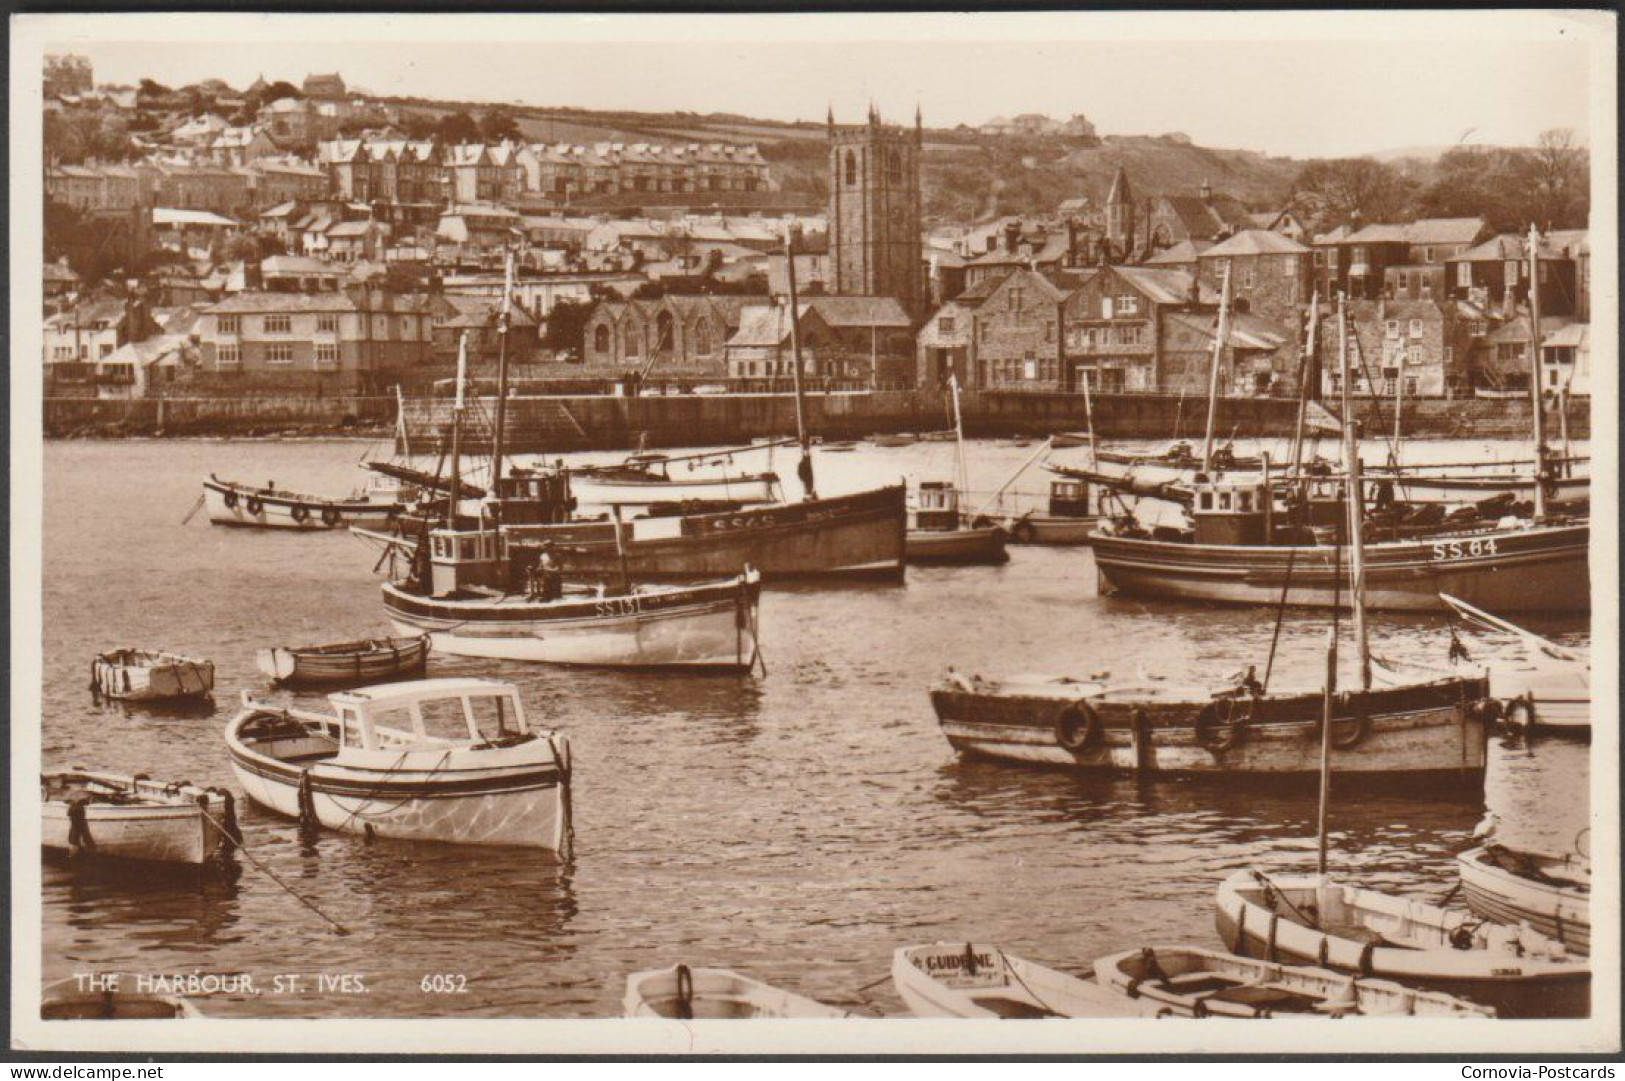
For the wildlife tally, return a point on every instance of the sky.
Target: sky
(1311, 85)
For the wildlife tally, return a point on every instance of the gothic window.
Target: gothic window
(702, 338)
(600, 339)
(894, 167)
(851, 168)
(665, 336)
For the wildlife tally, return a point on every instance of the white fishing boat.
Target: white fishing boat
(112, 816)
(1546, 891)
(452, 760)
(114, 1006)
(974, 980)
(150, 675)
(234, 504)
(1188, 981)
(370, 660)
(938, 532)
(688, 994)
(1547, 687)
(1313, 919)
(645, 479)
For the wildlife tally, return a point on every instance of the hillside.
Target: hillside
(966, 177)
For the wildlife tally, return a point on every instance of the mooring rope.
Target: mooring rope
(337, 926)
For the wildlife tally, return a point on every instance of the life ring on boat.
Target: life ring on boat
(300, 513)
(253, 505)
(1486, 711)
(230, 499)
(1520, 717)
(1355, 734)
(1220, 724)
(1078, 728)
(330, 516)
(1024, 532)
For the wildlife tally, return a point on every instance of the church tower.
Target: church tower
(1120, 215)
(875, 245)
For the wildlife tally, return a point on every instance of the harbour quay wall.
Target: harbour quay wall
(224, 416)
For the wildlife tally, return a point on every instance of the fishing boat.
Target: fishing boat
(643, 479)
(940, 533)
(1568, 481)
(476, 595)
(110, 816)
(269, 507)
(1547, 891)
(1189, 981)
(452, 760)
(150, 675)
(114, 1006)
(1067, 519)
(369, 660)
(1313, 919)
(977, 981)
(692, 994)
(902, 439)
(1547, 689)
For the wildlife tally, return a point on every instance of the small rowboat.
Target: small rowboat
(903, 440)
(457, 761)
(1306, 919)
(230, 503)
(150, 675)
(971, 980)
(714, 993)
(372, 660)
(115, 1006)
(1187, 981)
(1550, 893)
(111, 816)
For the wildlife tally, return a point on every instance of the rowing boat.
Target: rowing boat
(714, 993)
(150, 675)
(1188, 981)
(1309, 919)
(1546, 891)
(233, 504)
(112, 816)
(370, 660)
(115, 1006)
(974, 980)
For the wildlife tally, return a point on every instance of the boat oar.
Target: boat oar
(195, 508)
(338, 927)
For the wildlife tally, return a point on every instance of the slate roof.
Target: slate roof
(1255, 242)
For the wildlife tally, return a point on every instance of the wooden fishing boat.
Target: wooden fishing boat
(902, 439)
(114, 1006)
(1312, 919)
(452, 760)
(108, 816)
(860, 535)
(1547, 690)
(150, 675)
(972, 980)
(370, 660)
(643, 479)
(1548, 892)
(231, 503)
(1188, 981)
(938, 533)
(1436, 729)
(692, 994)
(1466, 485)
(1068, 518)
(475, 599)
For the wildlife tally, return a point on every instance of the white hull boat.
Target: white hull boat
(111, 816)
(460, 764)
(974, 980)
(150, 675)
(233, 504)
(612, 491)
(687, 993)
(372, 660)
(1188, 981)
(1547, 688)
(1550, 893)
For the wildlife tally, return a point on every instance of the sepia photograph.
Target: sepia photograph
(565, 534)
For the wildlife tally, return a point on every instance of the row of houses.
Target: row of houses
(226, 190)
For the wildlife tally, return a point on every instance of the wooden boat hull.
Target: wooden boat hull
(1455, 491)
(1512, 985)
(511, 796)
(1043, 529)
(166, 679)
(964, 546)
(1426, 729)
(1539, 569)
(702, 627)
(936, 981)
(374, 661)
(240, 505)
(608, 491)
(168, 826)
(714, 993)
(1558, 912)
(858, 535)
(1188, 981)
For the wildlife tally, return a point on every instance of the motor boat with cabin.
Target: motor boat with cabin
(648, 478)
(939, 534)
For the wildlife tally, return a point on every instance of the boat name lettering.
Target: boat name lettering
(935, 963)
(618, 606)
(1482, 546)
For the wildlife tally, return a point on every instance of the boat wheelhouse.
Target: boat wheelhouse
(939, 533)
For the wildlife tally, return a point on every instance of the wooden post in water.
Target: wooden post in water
(1213, 375)
(805, 469)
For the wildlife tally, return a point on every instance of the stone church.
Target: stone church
(875, 236)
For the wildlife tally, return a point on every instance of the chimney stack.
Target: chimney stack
(1012, 235)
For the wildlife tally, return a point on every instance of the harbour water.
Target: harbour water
(797, 826)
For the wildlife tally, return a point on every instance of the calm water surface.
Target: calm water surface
(798, 827)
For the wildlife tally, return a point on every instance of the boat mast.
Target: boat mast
(959, 439)
(1303, 385)
(457, 433)
(1354, 497)
(400, 422)
(805, 469)
(1326, 746)
(499, 426)
(1089, 416)
(1213, 376)
(1535, 399)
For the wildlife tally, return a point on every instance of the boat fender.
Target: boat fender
(300, 512)
(1366, 953)
(308, 822)
(1462, 938)
(330, 516)
(1024, 532)
(1240, 948)
(231, 500)
(1360, 727)
(1078, 728)
(1269, 939)
(79, 838)
(1486, 711)
(1220, 724)
(253, 505)
(1199, 1008)
(1140, 726)
(685, 994)
(1520, 716)
(1323, 954)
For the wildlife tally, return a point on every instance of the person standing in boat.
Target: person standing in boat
(547, 581)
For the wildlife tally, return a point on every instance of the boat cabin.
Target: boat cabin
(1229, 510)
(430, 713)
(532, 497)
(462, 559)
(1069, 498)
(938, 506)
